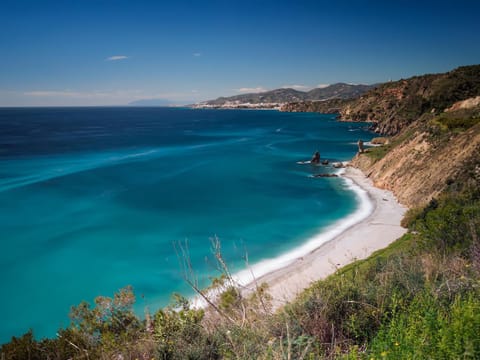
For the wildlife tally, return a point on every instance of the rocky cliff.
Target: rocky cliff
(393, 106)
(432, 124)
(427, 156)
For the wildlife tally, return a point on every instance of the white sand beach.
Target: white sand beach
(376, 231)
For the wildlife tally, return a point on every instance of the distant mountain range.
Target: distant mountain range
(282, 96)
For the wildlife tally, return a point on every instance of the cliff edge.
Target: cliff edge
(426, 156)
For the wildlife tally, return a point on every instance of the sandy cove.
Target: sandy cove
(380, 228)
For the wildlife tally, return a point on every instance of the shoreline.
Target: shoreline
(375, 225)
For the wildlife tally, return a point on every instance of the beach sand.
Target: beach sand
(380, 228)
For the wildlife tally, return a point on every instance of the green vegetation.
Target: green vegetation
(459, 84)
(428, 330)
(330, 106)
(416, 298)
(379, 152)
(457, 121)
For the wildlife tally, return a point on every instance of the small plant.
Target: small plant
(378, 153)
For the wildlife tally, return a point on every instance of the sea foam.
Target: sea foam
(254, 272)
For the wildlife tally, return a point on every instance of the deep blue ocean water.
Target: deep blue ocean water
(93, 199)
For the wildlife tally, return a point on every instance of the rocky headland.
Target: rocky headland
(433, 124)
(429, 126)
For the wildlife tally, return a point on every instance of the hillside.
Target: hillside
(273, 96)
(426, 156)
(281, 96)
(435, 122)
(331, 106)
(393, 106)
(338, 91)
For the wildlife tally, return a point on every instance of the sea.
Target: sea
(95, 199)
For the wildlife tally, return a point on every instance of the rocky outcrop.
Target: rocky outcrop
(324, 175)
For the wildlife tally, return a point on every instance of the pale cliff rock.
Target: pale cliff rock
(429, 149)
(418, 169)
(465, 104)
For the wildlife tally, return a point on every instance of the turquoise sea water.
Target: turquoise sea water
(92, 199)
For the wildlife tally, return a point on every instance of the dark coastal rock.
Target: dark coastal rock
(315, 158)
(360, 146)
(324, 175)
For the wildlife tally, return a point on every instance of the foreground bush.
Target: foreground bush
(428, 330)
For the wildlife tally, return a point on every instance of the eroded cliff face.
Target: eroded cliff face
(423, 164)
(434, 124)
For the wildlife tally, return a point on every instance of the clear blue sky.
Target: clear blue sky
(111, 52)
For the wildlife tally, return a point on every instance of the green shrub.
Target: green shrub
(179, 334)
(450, 224)
(229, 298)
(459, 120)
(110, 322)
(378, 152)
(411, 217)
(428, 330)
(461, 123)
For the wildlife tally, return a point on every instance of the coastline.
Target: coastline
(375, 225)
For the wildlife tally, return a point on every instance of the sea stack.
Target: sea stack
(360, 146)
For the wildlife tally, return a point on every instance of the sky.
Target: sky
(113, 52)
